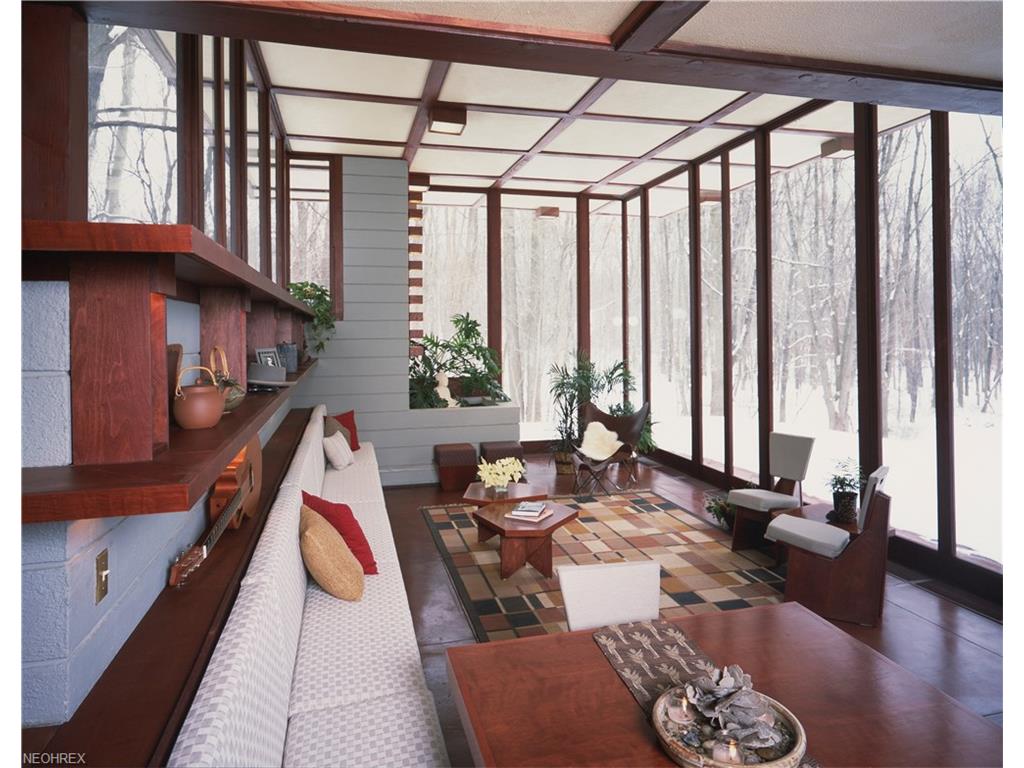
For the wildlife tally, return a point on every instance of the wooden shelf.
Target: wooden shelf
(197, 258)
(134, 712)
(173, 482)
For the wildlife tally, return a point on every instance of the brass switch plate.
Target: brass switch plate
(102, 575)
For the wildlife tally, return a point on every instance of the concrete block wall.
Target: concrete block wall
(365, 367)
(67, 638)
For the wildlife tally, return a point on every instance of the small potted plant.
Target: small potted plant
(845, 483)
(720, 509)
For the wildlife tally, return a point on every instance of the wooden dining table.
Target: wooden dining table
(554, 700)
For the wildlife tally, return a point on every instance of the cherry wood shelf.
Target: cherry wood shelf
(197, 258)
(133, 714)
(173, 482)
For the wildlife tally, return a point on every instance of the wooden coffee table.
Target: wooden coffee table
(554, 700)
(478, 494)
(522, 542)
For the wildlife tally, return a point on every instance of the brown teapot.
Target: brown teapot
(198, 406)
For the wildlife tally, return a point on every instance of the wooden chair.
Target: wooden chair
(592, 474)
(847, 586)
(610, 593)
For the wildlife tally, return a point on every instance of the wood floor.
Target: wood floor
(954, 648)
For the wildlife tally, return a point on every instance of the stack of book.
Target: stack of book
(529, 511)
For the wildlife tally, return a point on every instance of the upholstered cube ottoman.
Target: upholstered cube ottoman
(500, 449)
(456, 465)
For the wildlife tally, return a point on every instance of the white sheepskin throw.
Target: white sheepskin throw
(599, 442)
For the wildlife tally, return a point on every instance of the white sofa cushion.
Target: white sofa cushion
(240, 713)
(351, 652)
(359, 482)
(385, 732)
(814, 536)
(765, 501)
(337, 450)
(373, 519)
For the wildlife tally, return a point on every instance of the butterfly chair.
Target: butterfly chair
(592, 474)
(788, 457)
(610, 593)
(837, 574)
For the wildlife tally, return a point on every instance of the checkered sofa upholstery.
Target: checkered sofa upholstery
(299, 678)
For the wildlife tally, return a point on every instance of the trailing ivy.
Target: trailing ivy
(317, 298)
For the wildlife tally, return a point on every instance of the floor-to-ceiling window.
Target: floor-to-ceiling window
(670, 316)
(634, 275)
(976, 202)
(606, 283)
(252, 174)
(712, 370)
(310, 222)
(454, 260)
(132, 114)
(907, 326)
(814, 336)
(538, 288)
(746, 461)
(209, 139)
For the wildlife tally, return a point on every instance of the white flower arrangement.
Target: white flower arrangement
(501, 472)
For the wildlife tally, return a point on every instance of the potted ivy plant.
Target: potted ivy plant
(845, 483)
(719, 508)
(318, 299)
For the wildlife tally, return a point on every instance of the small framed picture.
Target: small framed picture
(268, 356)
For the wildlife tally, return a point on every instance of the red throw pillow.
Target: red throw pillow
(341, 517)
(348, 421)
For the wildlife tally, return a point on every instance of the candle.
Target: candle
(727, 751)
(679, 709)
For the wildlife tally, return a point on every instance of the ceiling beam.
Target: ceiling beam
(323, 25)
(263, 78)
(431, 92)
(652, 23)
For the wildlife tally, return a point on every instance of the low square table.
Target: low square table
(480, 495)
(522, 542)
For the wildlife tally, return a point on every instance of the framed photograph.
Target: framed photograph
(268, 356)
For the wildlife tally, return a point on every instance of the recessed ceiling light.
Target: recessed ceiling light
(447, 118)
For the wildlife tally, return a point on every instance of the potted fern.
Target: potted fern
(845, 483)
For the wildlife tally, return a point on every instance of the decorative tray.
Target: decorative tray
(696, 751)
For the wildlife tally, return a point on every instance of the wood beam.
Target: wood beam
(494, 271)
(652, 23)
(220, 198)
(431, 92)
(325, 26)
(763, 277)
(727, 313)
(239, 213)
(189, 95)
(263, 75)
(284, 222)
(583, 275)
(266, 251)
(645, 289)
(696, 320)
(337, 238)
(624, 254)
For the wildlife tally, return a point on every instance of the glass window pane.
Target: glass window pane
(712, 365)
(908, 327)
(252, 211)
(454, 264)
(976, 197)
(746, 459)
(310, 223)
(273, 207)
(634, 299)
(209, 157)
(228, 196)
(814, 305)
(133, 143)
(670, 317)
(606, 284)
(538, 286)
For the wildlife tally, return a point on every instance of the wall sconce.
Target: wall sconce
(447, 118)
(548, 212)
(838, 148)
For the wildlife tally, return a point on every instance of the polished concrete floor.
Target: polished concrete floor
(954, 648)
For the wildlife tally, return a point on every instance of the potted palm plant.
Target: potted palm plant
(474, 375)
(845, 483)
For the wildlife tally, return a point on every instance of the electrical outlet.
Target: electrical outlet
(102, 575)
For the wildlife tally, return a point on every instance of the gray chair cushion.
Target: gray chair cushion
(765, 501)
(820, 538)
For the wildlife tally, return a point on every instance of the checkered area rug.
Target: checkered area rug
(699, 573)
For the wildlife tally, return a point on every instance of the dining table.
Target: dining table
(555, 700)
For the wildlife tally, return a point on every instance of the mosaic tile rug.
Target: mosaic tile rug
(699, 573)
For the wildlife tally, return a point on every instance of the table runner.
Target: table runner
(653, 656)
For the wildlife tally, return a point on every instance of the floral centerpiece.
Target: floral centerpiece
(499, 474)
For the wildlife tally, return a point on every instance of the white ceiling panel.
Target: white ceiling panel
(644, 172)
(602, 137)
(890, 117)
(474, 84)
(544, 184)
(451, 198)
(833, 117)
(309, 178)
(343, 148)
(590, 18)
(302, 67)
(763, 108)
(789, 149)
(495, 131)
(460, 181)
(563, 204)
(354, 119)
(677, 102)
(743, 154)
(568, 168)
(696, 144)
(665, 200)
(454, 162)
(963, 38)
(613, 189)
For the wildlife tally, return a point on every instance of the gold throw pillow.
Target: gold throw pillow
(327, 557)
